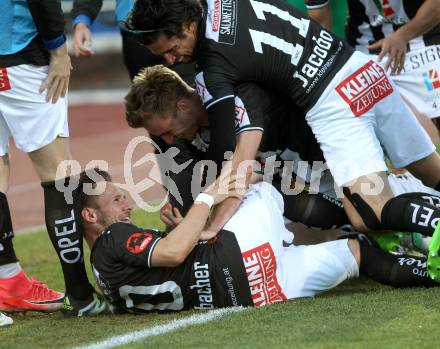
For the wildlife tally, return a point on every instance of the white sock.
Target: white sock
(9, 270)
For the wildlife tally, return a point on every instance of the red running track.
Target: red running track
(97, 132)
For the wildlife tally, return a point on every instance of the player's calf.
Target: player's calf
(64, 226)
(393, 270)
(406, 212)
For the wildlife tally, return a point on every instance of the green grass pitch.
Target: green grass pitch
(357, 314)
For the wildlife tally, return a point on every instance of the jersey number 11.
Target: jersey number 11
(258, 38)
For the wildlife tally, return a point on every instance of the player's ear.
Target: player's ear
(89, 215)
(190, 27)
(183, 104)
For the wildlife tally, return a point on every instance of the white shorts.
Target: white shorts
(419, 82)
(358, 113)
(277, 271)
(407, 183)
(24, 113)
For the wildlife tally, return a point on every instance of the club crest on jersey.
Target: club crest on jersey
(261, 268)
(4, 80)
(431, 80)
(138, 242)
(364, 88)
(241, 115)
(202, 91)
(221, 22)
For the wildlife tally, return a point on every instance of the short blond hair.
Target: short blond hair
(155, 91)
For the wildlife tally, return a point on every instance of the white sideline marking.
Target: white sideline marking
(173, 325)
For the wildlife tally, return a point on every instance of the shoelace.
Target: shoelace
(40, 289)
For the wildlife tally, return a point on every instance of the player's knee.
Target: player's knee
(356, 220)
(368, 208)
(54, 160)
(4, 173)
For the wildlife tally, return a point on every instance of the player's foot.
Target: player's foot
(19, 293)
(434, 256)
(413, 244)
(390, 242)
(95, 306)
(5, 320)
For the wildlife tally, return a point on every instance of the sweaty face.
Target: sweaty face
(113, 206)
(175, 50)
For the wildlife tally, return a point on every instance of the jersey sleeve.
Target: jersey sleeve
(49, 21)
(213, 86)
(134, 246)
(221, 123)
(87, 8)
(251, 103)
(315, 4)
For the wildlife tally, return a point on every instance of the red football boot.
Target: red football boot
(19, 293)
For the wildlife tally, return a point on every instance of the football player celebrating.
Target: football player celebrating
(159, 91)
(348, 100)
(251, 262)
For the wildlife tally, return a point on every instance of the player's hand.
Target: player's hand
(171, 216)
(394, 47)
(227, 185)
(58, 75)
(82, 40)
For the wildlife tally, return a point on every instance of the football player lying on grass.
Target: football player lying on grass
(251, 262)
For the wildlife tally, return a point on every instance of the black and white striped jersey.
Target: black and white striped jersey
(267, 42)
(372, 20)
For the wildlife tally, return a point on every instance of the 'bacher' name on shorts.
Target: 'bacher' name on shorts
(364, 88)
(202, 285)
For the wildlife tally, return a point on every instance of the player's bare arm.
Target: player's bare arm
(394, 46)
(243, 158)
(320, 12)
(172, 250)
(49, 22)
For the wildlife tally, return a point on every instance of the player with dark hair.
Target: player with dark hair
(250, 262)
(348, 100)
(34, 77)
(135, 56)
